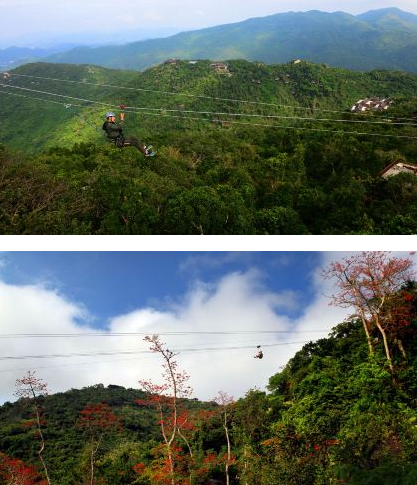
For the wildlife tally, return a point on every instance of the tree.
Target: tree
(97, 420)
(17, 472)
(30, 388)
(165, 399)
(370, 282)
(226, 403)
(398, 316)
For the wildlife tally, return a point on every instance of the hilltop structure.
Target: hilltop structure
(371, 104)
(220, 67)
(171, 61)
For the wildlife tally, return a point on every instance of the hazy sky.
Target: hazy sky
(22, 17)
(263, 295)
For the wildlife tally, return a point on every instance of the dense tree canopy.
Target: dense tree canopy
(58, 176)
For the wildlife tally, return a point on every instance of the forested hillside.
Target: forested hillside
(342, 411)
(188, 91)
(382, 39)
(289, 159)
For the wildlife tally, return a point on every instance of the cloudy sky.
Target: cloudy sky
(276, 300)
(22, 18)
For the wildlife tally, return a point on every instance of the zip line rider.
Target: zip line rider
(115, 134)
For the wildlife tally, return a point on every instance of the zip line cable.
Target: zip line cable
(174, 93)
(70, 365)
(99, 362)
(250, 115)
(54, 94)
(38, 99)
(285, 127)
(134, 352)
(167, 334)
(279, 117)
(343, 132)
(69, 106)
(147, 352)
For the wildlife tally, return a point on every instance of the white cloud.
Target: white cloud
(237, 302)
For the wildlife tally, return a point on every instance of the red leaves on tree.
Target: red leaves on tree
(172, 420)
(372, 283)
(326, 444)
(17, 472)
(98, 417)
(139, 468)
(175, 384)
(367, 277)
(332, 442)
(30, 386)
(224, 400)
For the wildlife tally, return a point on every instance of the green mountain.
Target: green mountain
(382, 39)
(186, 89)
(334, 414)
(390, 17)
(14, 56)
(289, 158)
(62, 411)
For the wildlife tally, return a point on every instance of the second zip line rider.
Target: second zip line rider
(114, 132)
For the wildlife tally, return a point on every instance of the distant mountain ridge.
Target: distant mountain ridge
(379, 39)
(14, 56)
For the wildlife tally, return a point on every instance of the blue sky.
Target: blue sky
(40, 19)
(112, 283)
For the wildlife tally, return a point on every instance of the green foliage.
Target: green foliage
(207, 178)
(94, 190)
(67, 452)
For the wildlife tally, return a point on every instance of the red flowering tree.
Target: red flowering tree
(29, 388)
(165, 398)
(226, 404)
(397, 317)
(370, 282)
(189, 423)
(97, 420)
(17, 472)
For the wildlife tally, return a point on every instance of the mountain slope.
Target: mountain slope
(304, 85)
(222, 167)
(140, 426)
(376, 40)
(390, 17)
(15, 56)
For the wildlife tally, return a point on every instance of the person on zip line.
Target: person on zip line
(114, 132)
(260, 354)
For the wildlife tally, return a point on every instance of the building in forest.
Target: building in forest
(371, 104)
(220, 67)
(398, 166)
